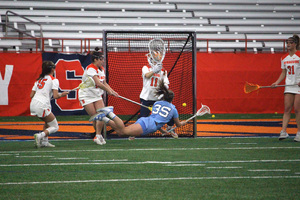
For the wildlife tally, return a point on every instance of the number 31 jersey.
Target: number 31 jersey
(292, 66)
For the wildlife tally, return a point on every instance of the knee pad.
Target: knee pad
(53, 126)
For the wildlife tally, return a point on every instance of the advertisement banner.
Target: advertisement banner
(69, 71)
(18, 72)
(221, 78)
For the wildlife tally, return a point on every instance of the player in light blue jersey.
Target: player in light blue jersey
(162, 112)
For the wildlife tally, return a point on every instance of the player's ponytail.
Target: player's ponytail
(296, 39)
(168, 95)
(47, 67)
(96, 54)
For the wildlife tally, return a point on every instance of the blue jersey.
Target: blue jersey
(163, 112)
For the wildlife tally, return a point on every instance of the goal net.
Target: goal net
(125, 53)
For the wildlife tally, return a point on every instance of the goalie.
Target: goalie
(152, 74)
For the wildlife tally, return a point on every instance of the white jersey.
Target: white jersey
(292, 66)
(43, 89)
(91, 94)
(150, 84)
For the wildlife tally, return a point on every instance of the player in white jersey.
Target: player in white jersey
(151, 79)
(162, 112)
(290, 65)
(91, 97)
(43, 89)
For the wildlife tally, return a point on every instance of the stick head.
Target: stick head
(203, 110)
(89, 82)
(157, 51)
(250, 87)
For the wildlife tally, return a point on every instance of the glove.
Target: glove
(157, 68)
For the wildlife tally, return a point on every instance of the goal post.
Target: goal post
(125, 53)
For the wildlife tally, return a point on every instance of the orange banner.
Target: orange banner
(17, 75)
(221, 78)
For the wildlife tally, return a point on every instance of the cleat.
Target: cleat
(98, 116)
(172, 132)
(106, 110)
(37, 140)
(297, 137)
(283, 135)
(99, 140)
(131, 138)
(48, 144)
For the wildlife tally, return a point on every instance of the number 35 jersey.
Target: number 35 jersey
(163, 112)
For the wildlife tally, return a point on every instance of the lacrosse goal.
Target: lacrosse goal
(125, 53)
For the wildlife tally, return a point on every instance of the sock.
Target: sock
(105, 119)
(112, 115)
(42, 134)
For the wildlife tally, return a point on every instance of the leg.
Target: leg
(117, 124)
(297, 113)
(50, 126)
(288, 105)
(91, 109)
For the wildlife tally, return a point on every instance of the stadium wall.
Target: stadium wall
(220, 81)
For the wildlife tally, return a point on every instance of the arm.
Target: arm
(280, 78)
(179, 123)
(57, 95)
(32, 94)
(114, 93)
(149, 74)
(104, 86)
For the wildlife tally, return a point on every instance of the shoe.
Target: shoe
(283, 135)
(106, 110)
(99, 140)
(173, 134)
(98, 116)
(47, 144)
(131, 138)
(297, 137)
(37, 140)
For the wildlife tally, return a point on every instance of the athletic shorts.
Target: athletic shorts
(86, 98)
(39, 109)
(295, 89)
(148, 125)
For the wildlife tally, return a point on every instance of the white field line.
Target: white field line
(269, 170)
(184, 165)
(147, 162)
(233, 167)
(70, 158)
(242, 143)
(153, 149)
(113, 160)
(34, 156)
(153, 179)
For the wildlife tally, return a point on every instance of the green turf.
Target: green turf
(201, 168)
(86, 118)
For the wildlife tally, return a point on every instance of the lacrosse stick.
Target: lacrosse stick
(250, 87)
(89, 82)
(202, 111)
(150, 108)
(157, 52)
